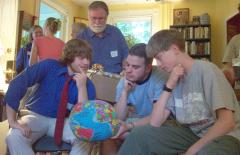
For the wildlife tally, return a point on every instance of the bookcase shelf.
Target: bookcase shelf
(197, 39)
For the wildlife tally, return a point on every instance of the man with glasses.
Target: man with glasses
(108, 43)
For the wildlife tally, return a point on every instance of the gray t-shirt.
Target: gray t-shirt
(233, 49)
(199, 94)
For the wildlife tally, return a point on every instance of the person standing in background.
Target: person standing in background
(109, 46)
(47, 46)
(24, 53)
(77, 28)
(232, 52)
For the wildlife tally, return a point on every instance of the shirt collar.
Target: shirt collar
(144, 81)
(62, 71)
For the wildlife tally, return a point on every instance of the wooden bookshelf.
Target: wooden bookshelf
(197, 39)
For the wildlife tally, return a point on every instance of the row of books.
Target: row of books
(195, 32)
(197, 48)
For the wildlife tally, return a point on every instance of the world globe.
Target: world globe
(93, 120)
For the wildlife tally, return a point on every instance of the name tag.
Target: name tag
(114, 53)
(179, 103)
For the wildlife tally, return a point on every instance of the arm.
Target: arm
(224, 124)
(160, 113)
(231, 53)
(19, 60)
(13, 123)
(121, 106)
(34, 54)
(30, 76)
(81, 82)
(228, 71)
(11, 116)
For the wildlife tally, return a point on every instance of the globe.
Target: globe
(93, 120)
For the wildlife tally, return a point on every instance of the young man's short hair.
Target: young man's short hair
(74, 48)
(162, 40)
(140, 51)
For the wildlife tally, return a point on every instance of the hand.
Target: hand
(122, 131)
(176, 73)
(128, 85)
(80, 78)
(24, 128)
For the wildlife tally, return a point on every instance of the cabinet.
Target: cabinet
(197, 39)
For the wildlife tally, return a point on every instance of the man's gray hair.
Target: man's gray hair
(98, 4)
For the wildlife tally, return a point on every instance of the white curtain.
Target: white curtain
(8, 29)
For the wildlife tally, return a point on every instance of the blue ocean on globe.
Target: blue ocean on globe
(93, 121)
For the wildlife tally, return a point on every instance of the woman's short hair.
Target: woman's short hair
(53, 24)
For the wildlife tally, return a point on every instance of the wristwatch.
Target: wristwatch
(165, 88)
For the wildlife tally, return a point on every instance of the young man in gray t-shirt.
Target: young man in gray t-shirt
(201, 99)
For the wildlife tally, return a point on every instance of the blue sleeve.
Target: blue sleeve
(91, 90)
(123, 45)
(19, 85)
(20, 60)
(80, 35)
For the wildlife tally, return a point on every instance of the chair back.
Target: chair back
(105, 85)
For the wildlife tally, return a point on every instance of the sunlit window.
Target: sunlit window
(135, 30)
(138, 30)
(50, 9)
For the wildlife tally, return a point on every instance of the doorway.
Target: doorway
(50, 9)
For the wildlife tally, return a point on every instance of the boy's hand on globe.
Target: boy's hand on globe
(122, 132)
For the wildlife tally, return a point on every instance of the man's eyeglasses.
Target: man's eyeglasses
(97, 18)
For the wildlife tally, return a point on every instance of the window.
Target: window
(136, 26)
(51, 9)
(137, 30)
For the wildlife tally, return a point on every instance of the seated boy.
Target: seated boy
(136, 93)
(52, 76)
(200, 98)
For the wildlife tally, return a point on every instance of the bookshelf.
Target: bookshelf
(197, 39)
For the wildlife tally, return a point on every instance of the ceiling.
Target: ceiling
(84, 2)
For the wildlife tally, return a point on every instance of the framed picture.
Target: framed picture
(80, 20)
(180, 16)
